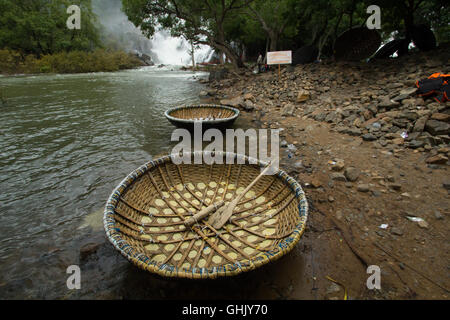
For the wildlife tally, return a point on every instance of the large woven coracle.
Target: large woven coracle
(144, 218)
(357, 44)
(209, 115)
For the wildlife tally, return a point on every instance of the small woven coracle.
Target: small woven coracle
(146, 215)
(209, 115)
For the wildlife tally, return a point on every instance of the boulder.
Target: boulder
(88, 250)
(236, 102)
(419, 126)
(218, 74)
(441, 117)
(437, 159)
(437, 127)
(386, 102)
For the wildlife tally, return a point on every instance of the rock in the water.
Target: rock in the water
(146, 59)
(88, 250)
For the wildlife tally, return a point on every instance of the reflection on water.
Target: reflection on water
(66, 142)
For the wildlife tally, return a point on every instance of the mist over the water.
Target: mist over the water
(120, 33)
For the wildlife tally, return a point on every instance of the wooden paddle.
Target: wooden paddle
(203, 214)
(222, 215)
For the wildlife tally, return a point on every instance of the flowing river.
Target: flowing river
(66, 142)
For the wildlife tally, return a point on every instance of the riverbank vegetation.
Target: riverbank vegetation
(240, 28)
(34, 38)
(34, 35)
(14, 62)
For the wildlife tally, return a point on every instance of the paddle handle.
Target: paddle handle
(251, 185)
(220, 218)
(203, 214)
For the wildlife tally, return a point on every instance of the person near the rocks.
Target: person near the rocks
(265, 65)
(259, 62)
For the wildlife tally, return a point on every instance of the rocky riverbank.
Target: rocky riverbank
(373, 160)
(375, 101)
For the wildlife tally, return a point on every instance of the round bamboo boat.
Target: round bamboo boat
(145, 218)
(209, 115)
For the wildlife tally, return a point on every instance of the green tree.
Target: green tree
(274, 16)
(39, 26)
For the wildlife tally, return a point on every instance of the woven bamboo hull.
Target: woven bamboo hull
(205, 126)
(144, 219)
(211, 116)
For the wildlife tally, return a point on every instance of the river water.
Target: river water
(66, 142)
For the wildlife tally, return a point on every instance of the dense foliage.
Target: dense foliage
(67, 62)
(39, 26)
(35, 30)
(34, 38)
(235, 27)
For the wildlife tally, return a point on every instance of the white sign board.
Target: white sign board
(279, 57)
